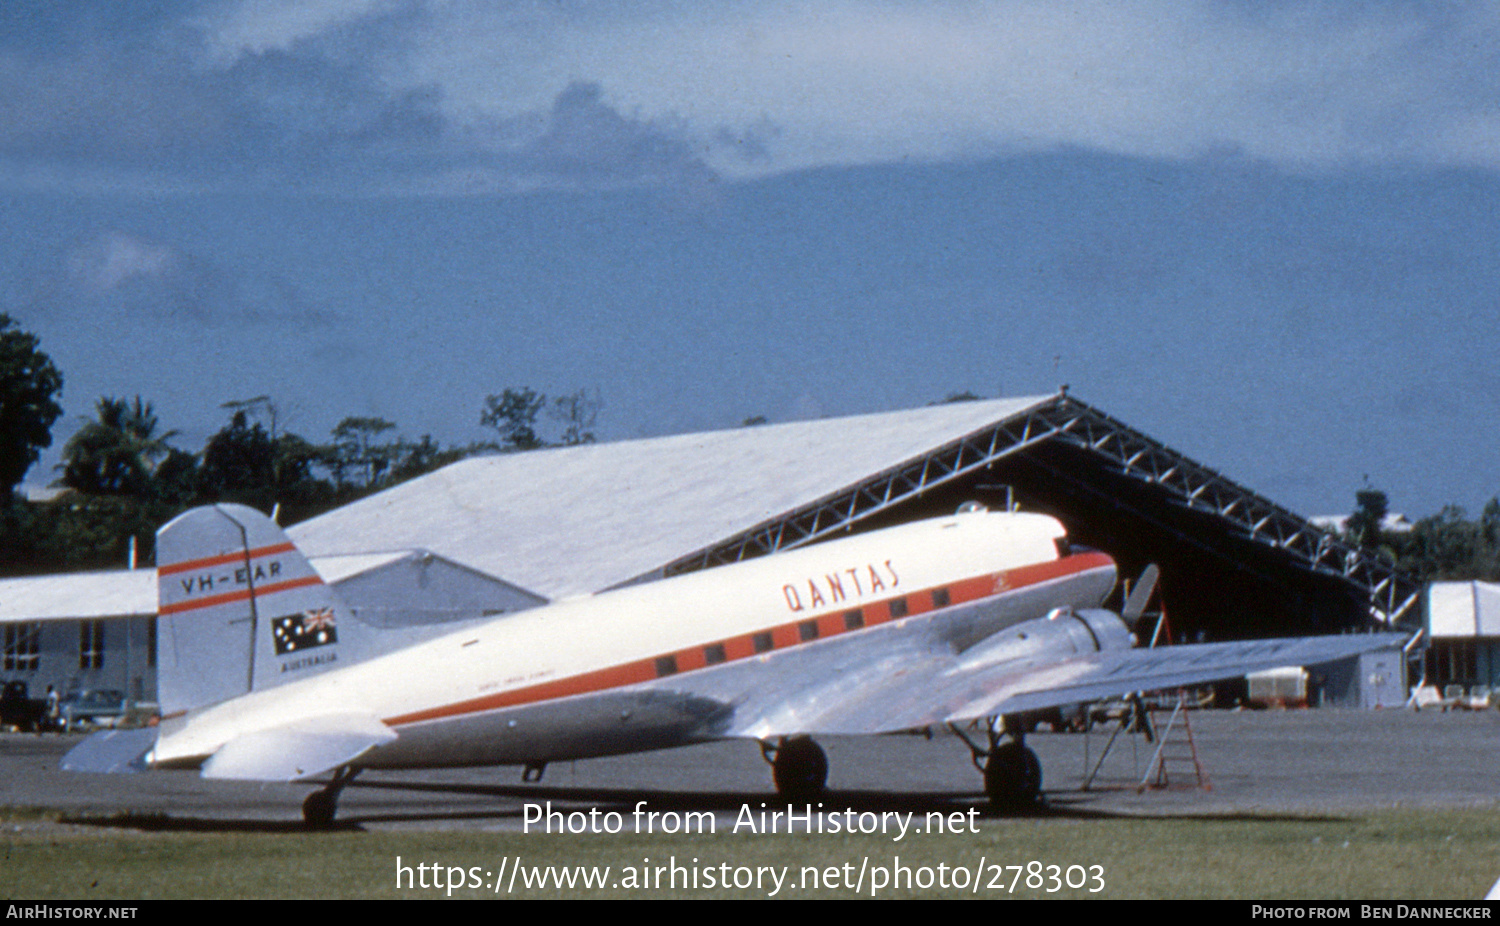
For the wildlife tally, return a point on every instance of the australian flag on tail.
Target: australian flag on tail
(297, 632)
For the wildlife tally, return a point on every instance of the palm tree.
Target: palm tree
(116, 453)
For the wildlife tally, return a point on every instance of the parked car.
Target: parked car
(19, 710)
(100, 707)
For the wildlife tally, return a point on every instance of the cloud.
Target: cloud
(581, 141)
(115, 260)
(1297, 83)
(231, 31)
(115, 275)
(448, 95)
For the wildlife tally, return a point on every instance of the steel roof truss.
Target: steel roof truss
(1187, 484)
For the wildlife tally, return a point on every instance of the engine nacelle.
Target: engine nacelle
(1063, 632)
(1110, 630)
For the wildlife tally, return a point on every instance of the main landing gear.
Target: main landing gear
(321, 805)
(1012, 772)
(798, 766)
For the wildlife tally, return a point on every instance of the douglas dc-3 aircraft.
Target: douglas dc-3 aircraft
(975, 617)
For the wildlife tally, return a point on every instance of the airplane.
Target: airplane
(972, 619)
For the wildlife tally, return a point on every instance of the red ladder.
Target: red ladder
(1179, 749)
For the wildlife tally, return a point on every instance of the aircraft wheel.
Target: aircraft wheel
(319, 809)
(1013, 777)
(800, 769)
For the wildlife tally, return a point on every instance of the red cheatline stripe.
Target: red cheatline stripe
(241, 595)
(210, 561)
(784, 636)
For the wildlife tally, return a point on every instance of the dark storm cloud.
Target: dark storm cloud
(275, 117)
(302, 115)
(311, 114)
(354, 96)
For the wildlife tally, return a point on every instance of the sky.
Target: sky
(1265, 233)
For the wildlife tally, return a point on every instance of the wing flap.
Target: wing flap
(301, 750)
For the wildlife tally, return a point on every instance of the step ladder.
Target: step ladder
(1174, 745)
(1135, 723)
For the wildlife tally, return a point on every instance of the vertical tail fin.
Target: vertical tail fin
(240, 609)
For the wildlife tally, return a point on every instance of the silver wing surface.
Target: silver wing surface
(889, 695)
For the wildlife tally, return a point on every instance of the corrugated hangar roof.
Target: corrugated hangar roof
(575, 520)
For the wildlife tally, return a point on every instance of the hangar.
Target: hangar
(576, 520)
(500, 533)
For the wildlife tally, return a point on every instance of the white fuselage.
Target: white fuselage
(750, 649)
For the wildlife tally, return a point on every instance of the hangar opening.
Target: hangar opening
(1233, 564)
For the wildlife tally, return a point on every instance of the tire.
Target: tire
(1013, 777)
(800, 769)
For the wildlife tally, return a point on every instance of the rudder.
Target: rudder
(239, 609)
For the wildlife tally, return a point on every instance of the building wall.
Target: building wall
(72, 654)
(1466, 661)
(1367, 681)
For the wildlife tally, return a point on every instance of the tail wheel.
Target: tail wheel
(319, 809)
(800, 768)
(1013, 777)
(322, 805)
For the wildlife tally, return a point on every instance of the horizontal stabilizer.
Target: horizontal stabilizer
(300, 750)
(111, 751)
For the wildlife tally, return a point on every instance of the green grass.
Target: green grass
(1396, 854)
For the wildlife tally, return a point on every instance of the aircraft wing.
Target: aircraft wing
(954, 689)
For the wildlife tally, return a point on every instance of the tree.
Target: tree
(1449, 547)
(29, 387)
(239, 463)
(292, 460)
(353, 449)
(116, 453)
(175, 480)
(256, 407)
(513, 415)
(952, 397)
(1489, 523)
(412, 460)
(1365, 524)
(578, 412)
(242, 463)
